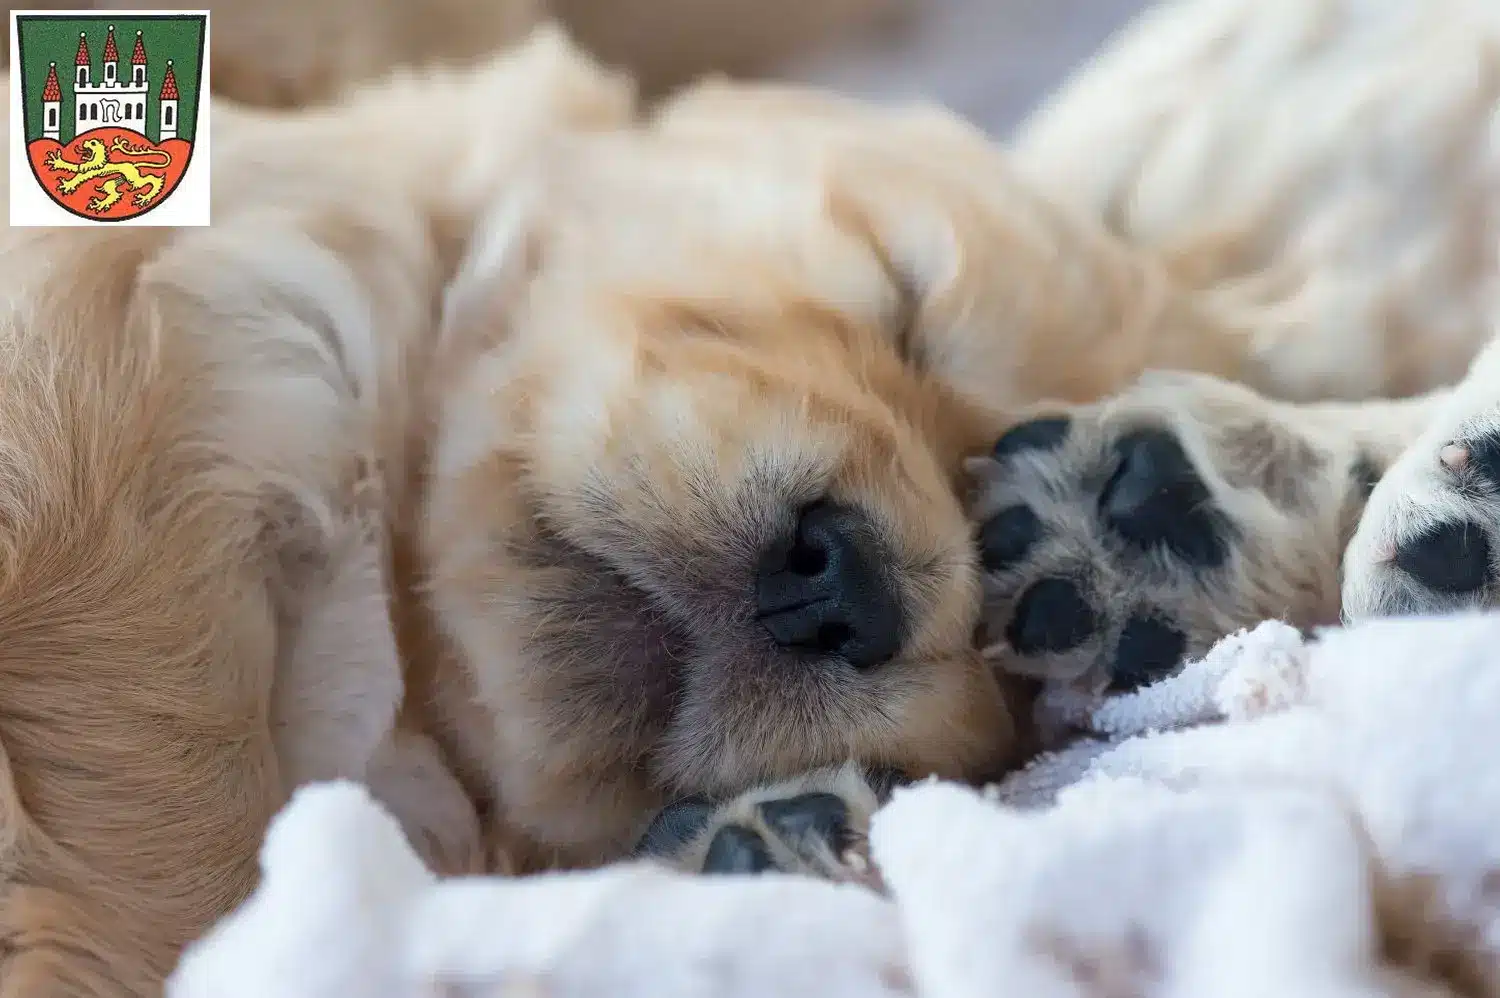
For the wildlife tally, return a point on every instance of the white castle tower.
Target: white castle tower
(82, 61)
(169, 104)
(51, 105)
(111, 59)
(110, 101)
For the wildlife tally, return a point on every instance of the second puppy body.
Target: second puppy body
(207, 437)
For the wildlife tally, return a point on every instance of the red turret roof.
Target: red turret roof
(169, 85)
(111, 54)
(83, 51)
(138, 57)
(51, 92)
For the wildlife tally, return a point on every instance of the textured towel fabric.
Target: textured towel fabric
(344, 910)
(1286, 817)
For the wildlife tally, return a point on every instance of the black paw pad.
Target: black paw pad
(1046, 433)
(1051, 616)
(1155, 498)
(736, 849)
(1149, 650)
(1452, 557)
(675, 826)
(1007, 536)
(818, 817)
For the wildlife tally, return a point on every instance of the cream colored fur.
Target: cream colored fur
(1325, 172)
(431, 505)
(449, 474)
(205, 432)
(1305, 195)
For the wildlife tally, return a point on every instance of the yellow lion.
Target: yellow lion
(99, 162)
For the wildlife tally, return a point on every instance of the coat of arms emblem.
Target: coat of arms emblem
(110, 108)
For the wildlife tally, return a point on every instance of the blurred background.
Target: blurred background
(990, 60)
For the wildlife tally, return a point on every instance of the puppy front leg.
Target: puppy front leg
(409, 775)
(338, 675)
(306, 335)
(338, 681)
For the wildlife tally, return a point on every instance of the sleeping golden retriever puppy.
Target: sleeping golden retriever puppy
(1314, 183)
(585, 483)
(705, 480)
(536, 465)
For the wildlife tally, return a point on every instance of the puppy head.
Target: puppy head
(692, 522)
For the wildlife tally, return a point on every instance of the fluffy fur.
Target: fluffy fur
(1324, 176)
(451, 476)
(205, 434)
(791, 299)
(1312, 185)
(1324, 172)
(346, 485)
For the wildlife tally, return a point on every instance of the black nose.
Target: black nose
(825, 591)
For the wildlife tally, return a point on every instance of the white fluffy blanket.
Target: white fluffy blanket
(1285, 818)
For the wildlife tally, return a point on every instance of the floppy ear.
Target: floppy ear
(1011, 297)
(503, 254)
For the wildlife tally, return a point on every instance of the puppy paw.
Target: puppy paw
(1119, 539)
(814, 825)
(1430, 535)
